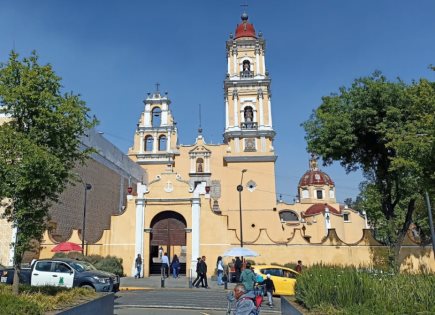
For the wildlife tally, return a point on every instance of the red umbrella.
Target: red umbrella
(67, 247)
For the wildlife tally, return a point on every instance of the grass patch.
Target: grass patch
(337, 290)
(38, 300)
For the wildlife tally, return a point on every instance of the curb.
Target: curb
(119, 307)
(135, 288)
(128, 288)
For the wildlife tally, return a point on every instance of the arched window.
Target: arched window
(149, 141)
(331, 193)
(319, 194)
(288, 216)
(162, 143)
(248, 114)
(246, 66)
(156, 117)
(199, 165)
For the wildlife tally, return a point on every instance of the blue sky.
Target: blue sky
(113, 53)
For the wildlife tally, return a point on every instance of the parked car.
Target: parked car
(283, 278)
(72, 273)
(7, 274)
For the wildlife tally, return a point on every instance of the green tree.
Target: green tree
(39, 146)
(386, 129)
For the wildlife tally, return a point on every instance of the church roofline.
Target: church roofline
(254, 158)
(228, 82)
(249, 133)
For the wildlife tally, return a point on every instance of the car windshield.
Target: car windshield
(81, 266)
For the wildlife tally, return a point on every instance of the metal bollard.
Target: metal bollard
(190, 279)
(162, 279)
(226, 282)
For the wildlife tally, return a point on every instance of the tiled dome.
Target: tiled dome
(245, 29)
(320, 208)
(315, 176)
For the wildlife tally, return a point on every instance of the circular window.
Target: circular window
(251, 185)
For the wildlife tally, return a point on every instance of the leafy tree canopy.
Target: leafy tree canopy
(386, 129)
(39, 145)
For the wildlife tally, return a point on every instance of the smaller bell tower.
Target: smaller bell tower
(155, 140)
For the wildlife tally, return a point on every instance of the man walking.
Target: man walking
(138, 265)
(270, 288)
(165, 265)
(198, 276)
(203, 273)
(238, 268)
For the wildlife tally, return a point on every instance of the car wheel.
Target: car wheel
(87, 286)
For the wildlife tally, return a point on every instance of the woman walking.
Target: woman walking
(175, 266)
(220, 270)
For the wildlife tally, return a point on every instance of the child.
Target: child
(270, 288)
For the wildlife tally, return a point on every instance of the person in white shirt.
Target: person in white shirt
(165, 265)
(220, 270)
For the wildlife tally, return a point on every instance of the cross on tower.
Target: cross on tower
(200, 128)
(157, 86)
(245, 5)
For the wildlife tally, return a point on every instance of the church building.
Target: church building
(204, 199)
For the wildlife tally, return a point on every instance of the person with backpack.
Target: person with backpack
(245, 301)
(248, 277)
(270, 288)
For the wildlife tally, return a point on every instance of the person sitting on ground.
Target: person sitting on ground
(248, 277)
(244, 300)
(270, 288)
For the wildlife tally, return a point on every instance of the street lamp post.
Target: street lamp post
(240, 189)
(87, 187)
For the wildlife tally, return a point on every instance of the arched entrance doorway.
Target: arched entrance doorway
(168, 230)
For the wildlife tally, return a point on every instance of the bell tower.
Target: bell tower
(155, 140)
(248, 112)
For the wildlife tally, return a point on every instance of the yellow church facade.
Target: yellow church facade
(203, 199)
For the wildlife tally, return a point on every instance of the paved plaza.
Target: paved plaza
(146, 296)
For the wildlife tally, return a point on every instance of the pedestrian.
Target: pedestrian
(203, 273)
(248, 277)
(298, 267)
(198, 276)
(270, 288)
(165, 265)
(175, 266)
(160, 252)
(138, 265)
(238, 268)
(220, 270)
(244, 300)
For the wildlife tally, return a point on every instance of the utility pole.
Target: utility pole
(429, 211)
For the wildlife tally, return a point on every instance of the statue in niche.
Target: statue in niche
(249, 117)
(199, 168)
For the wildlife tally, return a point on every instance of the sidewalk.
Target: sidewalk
(154, 282)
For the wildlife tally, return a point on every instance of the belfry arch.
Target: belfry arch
(168, 230)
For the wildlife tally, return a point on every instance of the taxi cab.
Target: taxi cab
(283, 278)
